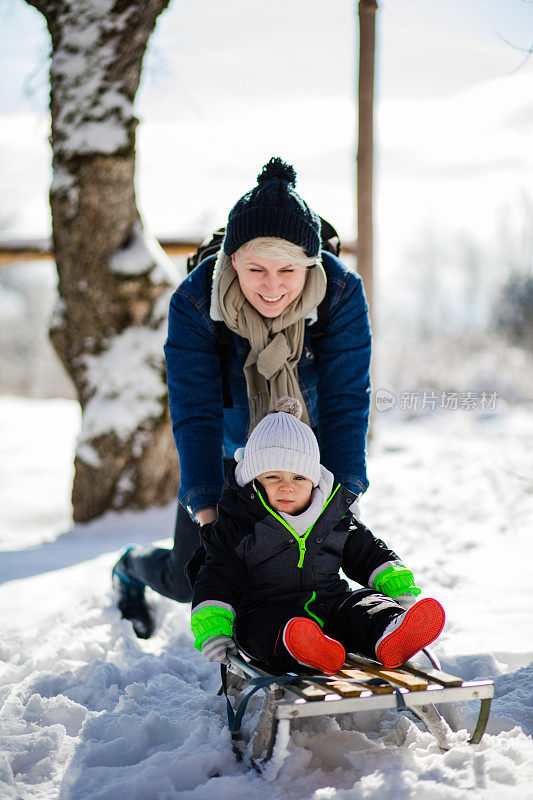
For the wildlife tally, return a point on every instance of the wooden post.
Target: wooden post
(365, 146)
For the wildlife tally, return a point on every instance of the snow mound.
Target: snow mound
(89, 711)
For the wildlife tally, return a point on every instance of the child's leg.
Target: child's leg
(365, 619)
(359, 619)
(260, 634)
(406, 635)
(283, 637)
(310, 646)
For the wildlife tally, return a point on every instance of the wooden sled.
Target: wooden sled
(361, 685)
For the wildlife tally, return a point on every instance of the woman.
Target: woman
(268, 286)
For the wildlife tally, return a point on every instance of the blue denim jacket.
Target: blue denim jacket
(333, 374)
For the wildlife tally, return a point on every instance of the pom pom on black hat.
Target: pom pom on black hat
(273, 209)
(290, 405)
(277, 168)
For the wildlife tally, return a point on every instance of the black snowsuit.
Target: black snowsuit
(266, 575)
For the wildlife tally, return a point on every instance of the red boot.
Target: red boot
(408, 634)
(306, 643)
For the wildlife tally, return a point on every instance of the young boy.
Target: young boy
(270, 579)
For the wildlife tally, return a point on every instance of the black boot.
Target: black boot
(130, 599)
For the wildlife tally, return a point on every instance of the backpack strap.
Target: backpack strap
(224, 342)
(224, 345)
(209, 247)
(318, 328)
(330, 238)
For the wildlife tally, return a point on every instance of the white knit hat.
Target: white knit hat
(280, 442)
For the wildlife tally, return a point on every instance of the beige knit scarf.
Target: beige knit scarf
(271, 369)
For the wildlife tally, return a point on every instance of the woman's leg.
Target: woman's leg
(163, 570)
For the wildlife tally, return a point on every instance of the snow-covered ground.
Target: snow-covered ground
(88, 711)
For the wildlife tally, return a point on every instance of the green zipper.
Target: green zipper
(314, 616)
(300, 539)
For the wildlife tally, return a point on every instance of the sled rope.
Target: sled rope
(235, 717)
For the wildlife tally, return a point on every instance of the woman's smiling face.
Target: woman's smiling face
(286, 491)
(269, 285)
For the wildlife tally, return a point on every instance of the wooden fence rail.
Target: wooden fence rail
(12, 252)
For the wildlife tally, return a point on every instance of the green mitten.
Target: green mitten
(211, 621)
(396, 580)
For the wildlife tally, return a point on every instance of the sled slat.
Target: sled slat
(396, 676)
(313, 691)
(411, 682)
(319, 691)
(359, 675)
(442, 678)
(345, 689)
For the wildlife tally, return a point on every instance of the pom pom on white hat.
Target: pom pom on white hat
(280, 442)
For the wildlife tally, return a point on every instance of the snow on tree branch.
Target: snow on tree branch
(126, 383)
(143, 255)
(94, 113)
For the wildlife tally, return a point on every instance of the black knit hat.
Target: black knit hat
(273, 208)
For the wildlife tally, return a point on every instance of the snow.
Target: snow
(127, 380)
(64, 183)
(89, 711)
(37, 446)
(128, 384)
(143, 254)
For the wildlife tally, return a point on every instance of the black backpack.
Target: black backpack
(210, 246)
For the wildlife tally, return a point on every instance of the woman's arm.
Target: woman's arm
(206, 515)
(343, 366)
(195, 398)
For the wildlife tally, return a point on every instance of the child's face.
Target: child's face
(286, 491)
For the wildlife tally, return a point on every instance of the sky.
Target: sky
(227, 85)
(424, 49)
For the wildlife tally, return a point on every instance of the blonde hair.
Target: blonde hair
(274, 247)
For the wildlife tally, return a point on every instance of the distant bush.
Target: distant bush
(514, 311)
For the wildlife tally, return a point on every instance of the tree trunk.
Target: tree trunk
(365, 149)
(114, 279)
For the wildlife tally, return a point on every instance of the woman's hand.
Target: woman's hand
(206, 515)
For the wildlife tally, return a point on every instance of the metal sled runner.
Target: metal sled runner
(361, 685)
